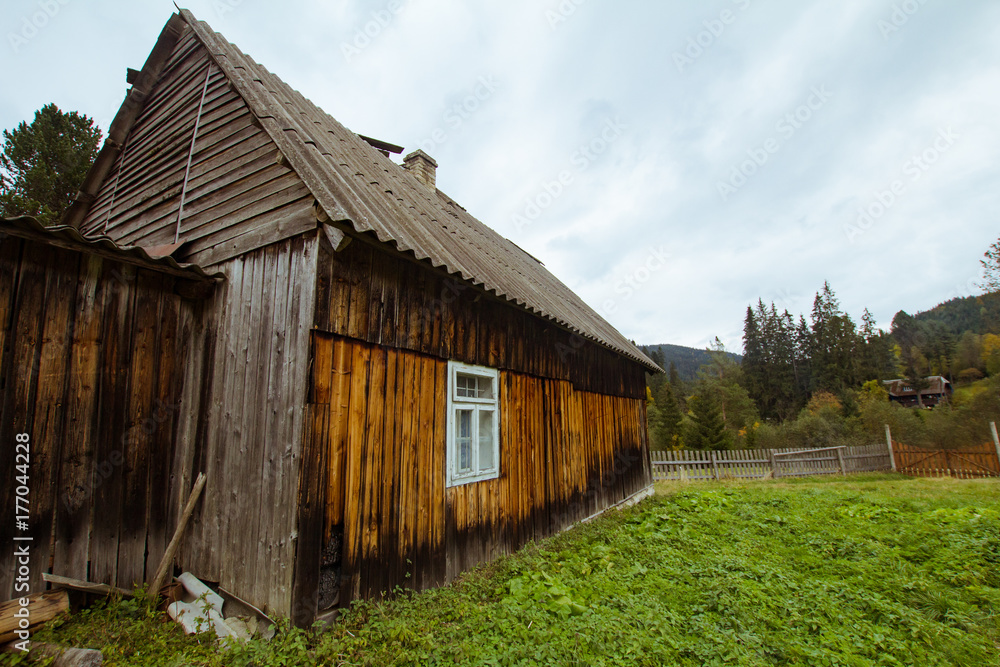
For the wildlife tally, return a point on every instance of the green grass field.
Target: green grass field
(875, 570)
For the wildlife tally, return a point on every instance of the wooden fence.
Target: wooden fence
(764, 463)
(982, 461)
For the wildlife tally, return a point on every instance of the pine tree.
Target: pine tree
(44, 163)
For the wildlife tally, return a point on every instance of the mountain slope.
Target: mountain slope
(979, 314)
(687, 359)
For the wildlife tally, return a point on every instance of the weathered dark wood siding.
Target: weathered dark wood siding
(90, 357)
(246, 428)
(368, 294)
(238, 197)
(381, 413)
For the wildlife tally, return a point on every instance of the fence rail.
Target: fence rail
(764, 463)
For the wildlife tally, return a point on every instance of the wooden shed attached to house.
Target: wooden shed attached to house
(381, 390)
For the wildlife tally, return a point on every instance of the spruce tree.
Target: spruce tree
(834, 345)
(754, 363)
(706, 429)
(666, 430)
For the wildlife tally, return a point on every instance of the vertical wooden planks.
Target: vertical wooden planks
(73, 508)
(423, 425)
(238, 449)
(164, 420)
(46, 429)
(302, 284)
(372, 477)
(387, 518)
(359, 282)
(357, 438)
(134, 473)
(18, 405)
(313, 483)
(406, 496)
(109, 455)
(340, 403)
(202, 551)
(439, 371)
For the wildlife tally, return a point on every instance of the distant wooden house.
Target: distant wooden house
(381, 390)
(937, 390)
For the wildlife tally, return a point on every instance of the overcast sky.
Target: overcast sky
(670, 161)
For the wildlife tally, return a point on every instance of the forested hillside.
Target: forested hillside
(978, 314)
(687, 360)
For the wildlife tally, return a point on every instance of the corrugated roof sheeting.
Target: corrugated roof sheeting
(355, 183)
(65, 236)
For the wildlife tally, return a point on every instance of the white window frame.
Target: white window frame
(476, 404)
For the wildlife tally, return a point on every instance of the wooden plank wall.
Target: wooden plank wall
(248, 435)
(368, 294)
(565, 455)
(238, 196)
(90, 351)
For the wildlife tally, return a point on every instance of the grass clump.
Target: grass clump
(877, 570)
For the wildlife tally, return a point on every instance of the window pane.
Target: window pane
(463, 428)
(465, 385)
(485, 387)
(486, 440)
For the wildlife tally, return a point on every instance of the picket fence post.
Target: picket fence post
(996, 440)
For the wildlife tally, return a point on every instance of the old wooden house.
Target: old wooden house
(936, 390)
(381, 390)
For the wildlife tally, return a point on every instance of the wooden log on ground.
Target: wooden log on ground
(41, 608)
(84, 586)
(60, 655)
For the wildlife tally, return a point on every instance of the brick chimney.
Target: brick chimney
(423, 166)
